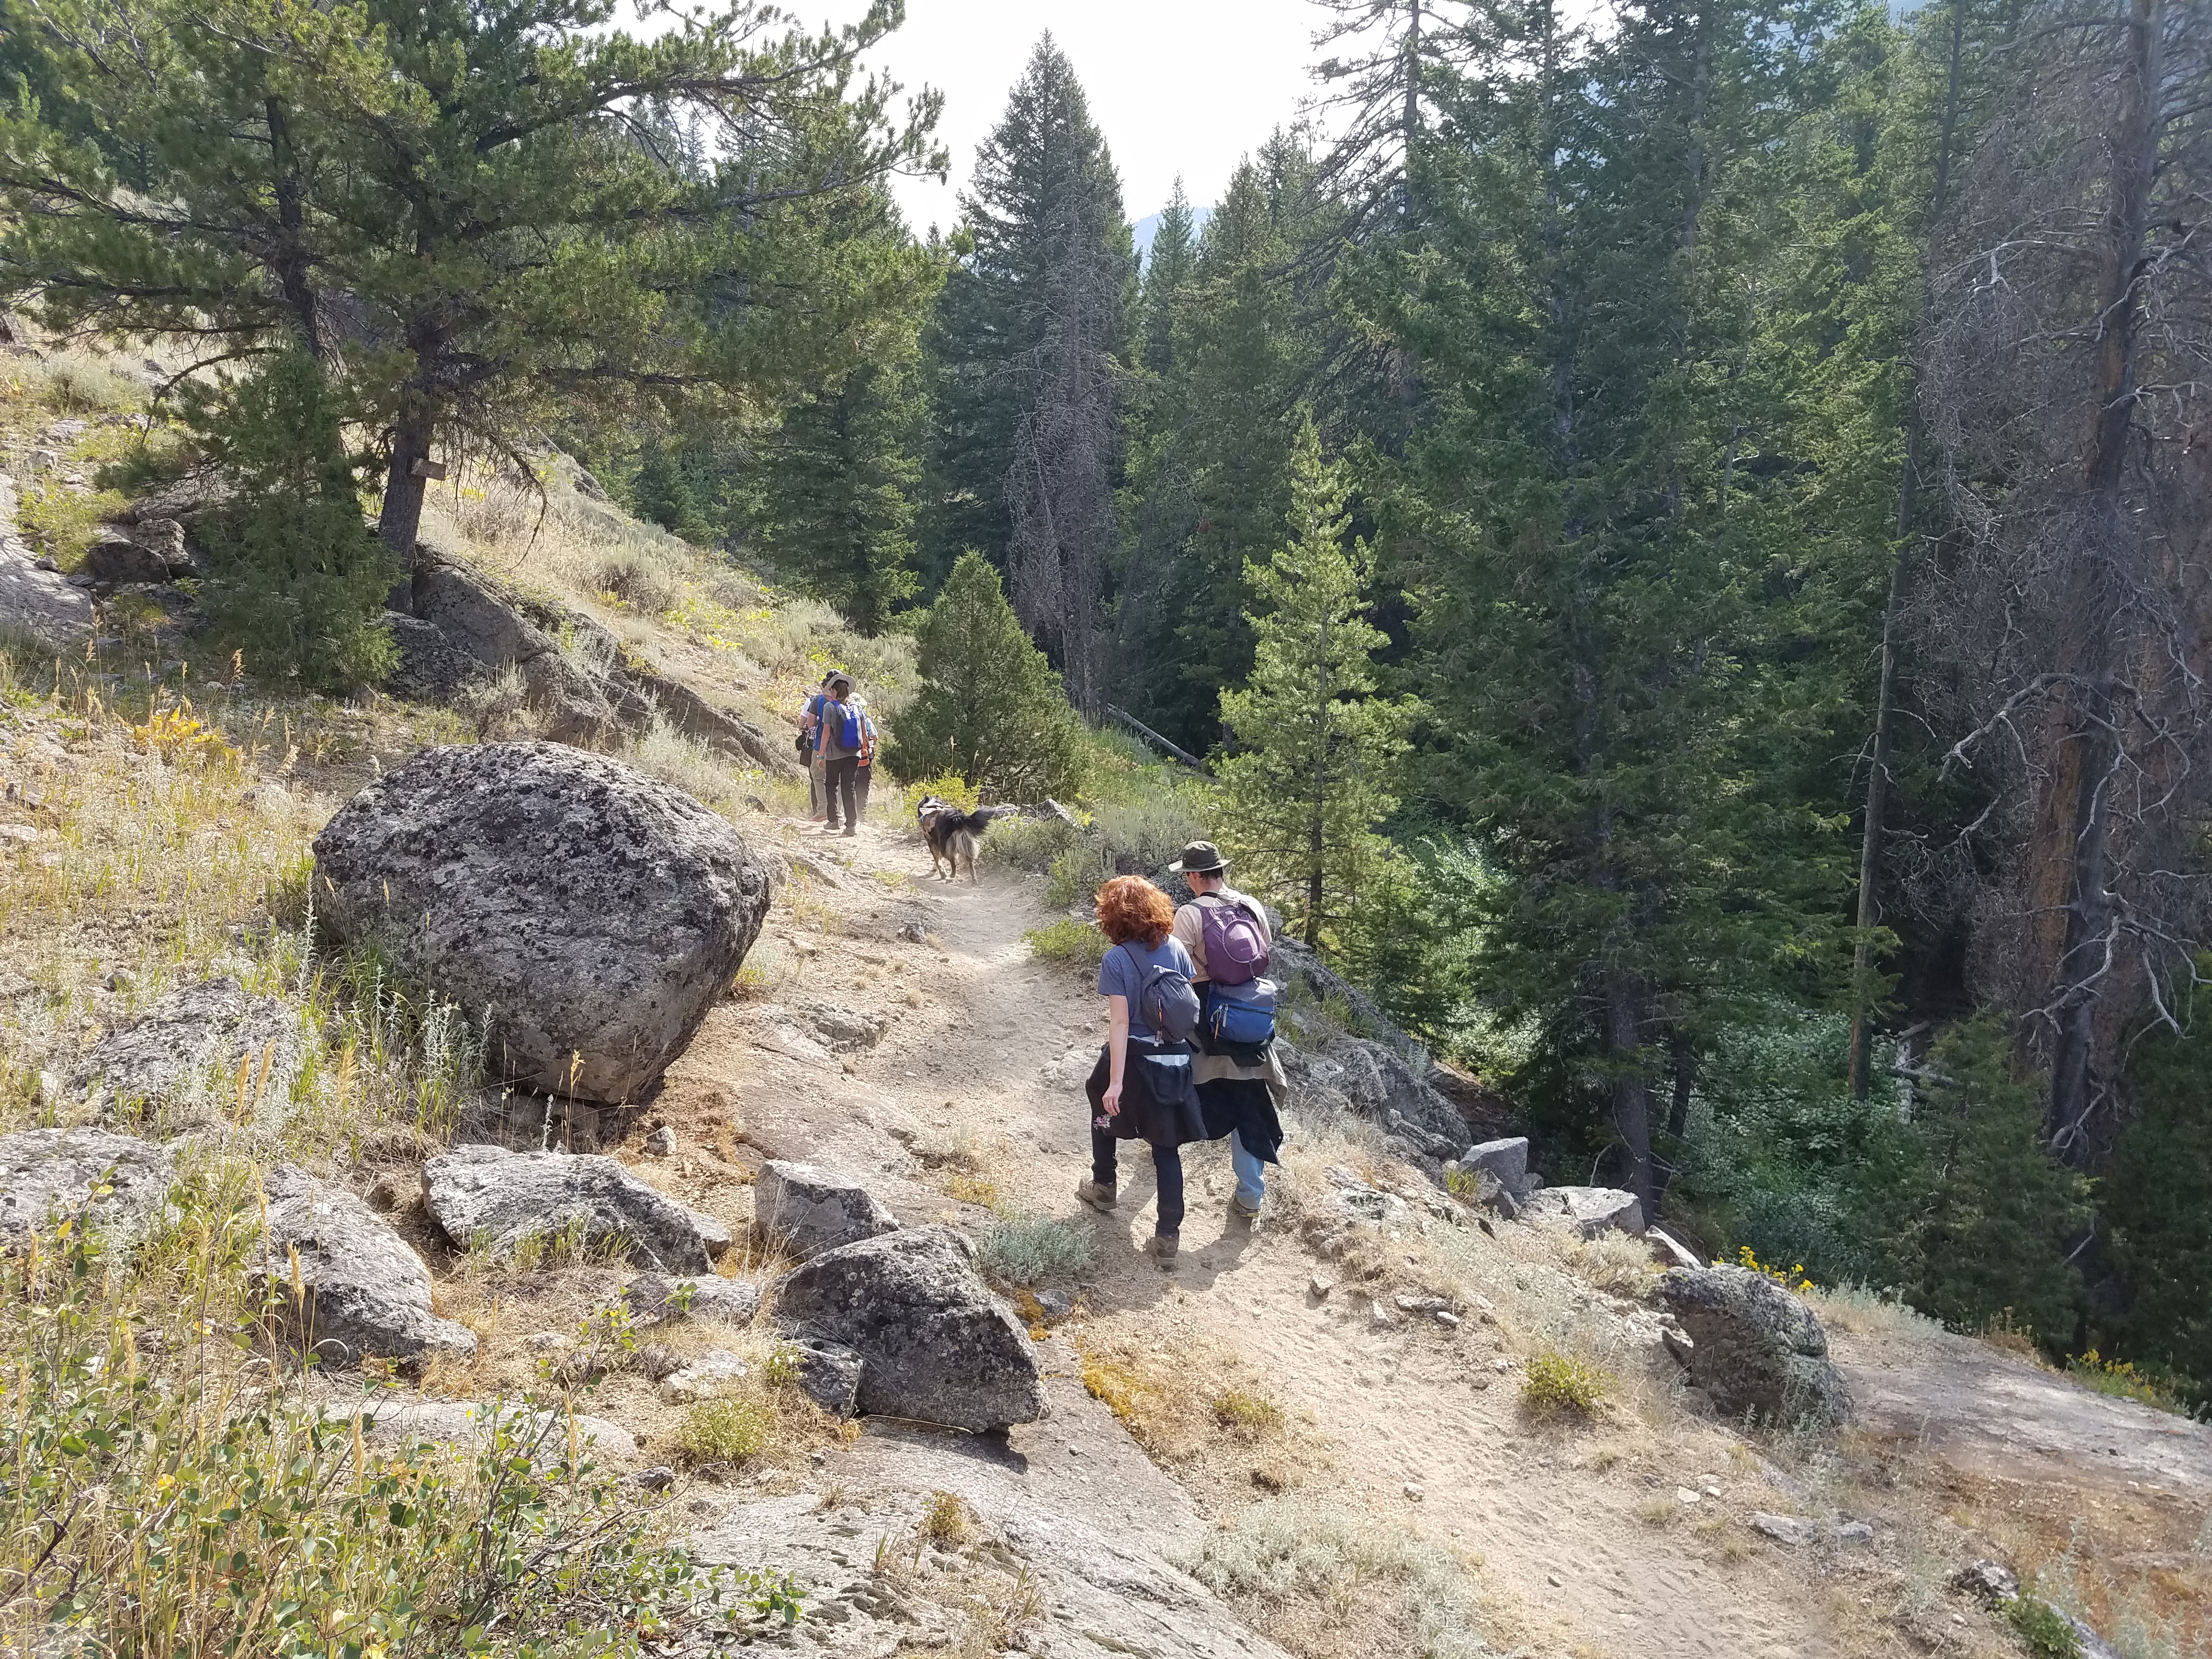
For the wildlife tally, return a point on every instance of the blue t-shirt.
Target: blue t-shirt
(1120, 975)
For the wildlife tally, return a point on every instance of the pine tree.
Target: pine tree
(461, 211)
(2160, 1251)
(1989, 1215)
(1317, 750)
(836, 494)
(1026, 350)
(990, 707)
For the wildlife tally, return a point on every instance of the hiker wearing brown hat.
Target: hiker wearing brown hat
(1240, 1081)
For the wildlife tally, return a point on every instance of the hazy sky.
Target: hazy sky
(1177, 86)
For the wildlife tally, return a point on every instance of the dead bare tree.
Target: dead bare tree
(2067, 386)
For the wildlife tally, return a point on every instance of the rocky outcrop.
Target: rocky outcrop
(179, 1060)
(1505, 1161)
(34, 597)
(360, 1290)
(809, 1209)
(151, 551)
(499, 1198)
(1757, 1347)
(48, 1174)
(935, 1344)
(592, 913)
(1339, 1073)
(1591, 1211)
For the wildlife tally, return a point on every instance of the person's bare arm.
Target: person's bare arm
(1117, 1052)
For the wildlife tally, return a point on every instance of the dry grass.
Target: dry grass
(1328, 1583)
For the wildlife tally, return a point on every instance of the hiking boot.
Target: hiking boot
(1163, 1249)
(1101, 1198)
(1241, 1210)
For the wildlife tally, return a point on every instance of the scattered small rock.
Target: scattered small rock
(1684, 1495)
(1669, 1251)
(654, 1300)
(1414, 1491)
(1057, 1304)
(1421, 1304)
(1447, 1318)
(1592, 1212)
(1379, 1315)
(1784, 1529)
(703, 1377)
(1854, 1532)
(1501, 1365)
(1991, 1581)
(661, 1143)
(659, 1478)
(1319, 1286)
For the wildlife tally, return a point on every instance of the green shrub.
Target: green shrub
(2042, 1629)
(1233, 1408)
(297, 582)
(1076, 943)
(723, 1431)
(1557, 1381)
(1030, 844)
(1022, 1249)
(233, 1517)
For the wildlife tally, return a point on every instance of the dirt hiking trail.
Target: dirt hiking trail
(1624, 1534)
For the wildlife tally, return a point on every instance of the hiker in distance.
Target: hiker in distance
(810, 744)
(841, 738)
(1141, 1087)
(1240, 1082)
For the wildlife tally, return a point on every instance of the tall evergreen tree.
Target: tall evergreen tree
(1028, 347)
(1314, 771)
(836, 492)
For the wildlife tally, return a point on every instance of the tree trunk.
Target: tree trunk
(1632, 1088)
(1908, 483)
(404, 484)
(2076, 832)
(291, 262)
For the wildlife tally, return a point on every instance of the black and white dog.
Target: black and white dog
(952, 833)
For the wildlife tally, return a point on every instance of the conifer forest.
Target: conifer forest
(1678, 535)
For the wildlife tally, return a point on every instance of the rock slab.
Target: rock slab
(808, 1208)
(366, 1291)
(490, 1194)
(828, 1374)
(468, 1423)
(592, 913)
(655, 1300)
(1505, 1161)
(180, 1059)
(1756, 1346)
(45, 1173)
(935, 1344)
(1592, 1212)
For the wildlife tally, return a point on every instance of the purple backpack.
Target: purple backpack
(1236, 945)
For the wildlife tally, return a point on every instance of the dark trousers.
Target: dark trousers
(840, 774)
(1167, 1175)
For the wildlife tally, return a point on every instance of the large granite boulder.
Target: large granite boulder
(363, 1291)
(179, 1060)
(501, 1198)
(1757, 1346)
(809, 1209)
(595, 912)
(935, 1344)
(47, 1174)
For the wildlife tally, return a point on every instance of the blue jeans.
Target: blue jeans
(1251, 1173)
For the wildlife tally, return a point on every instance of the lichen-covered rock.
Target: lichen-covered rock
(1756, 1346)
(361, 1290)
(592, 913)
(934, 1344)
(47, 1174)
(809, 1209)
(179, 1060)
(828, 1374)
(1504, 1161)
(544, 1436)
(490, 1195)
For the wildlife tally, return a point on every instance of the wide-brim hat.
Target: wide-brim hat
(1200, 858)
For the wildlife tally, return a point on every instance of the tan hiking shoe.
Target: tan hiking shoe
(1163, 1249)
(1101, 1198)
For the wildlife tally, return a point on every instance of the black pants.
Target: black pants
(841, 774)
(1167, 1175)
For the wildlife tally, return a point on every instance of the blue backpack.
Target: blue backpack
(848, 730)
(1242, 1015)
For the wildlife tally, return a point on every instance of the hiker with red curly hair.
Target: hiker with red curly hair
(1141, 1087)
